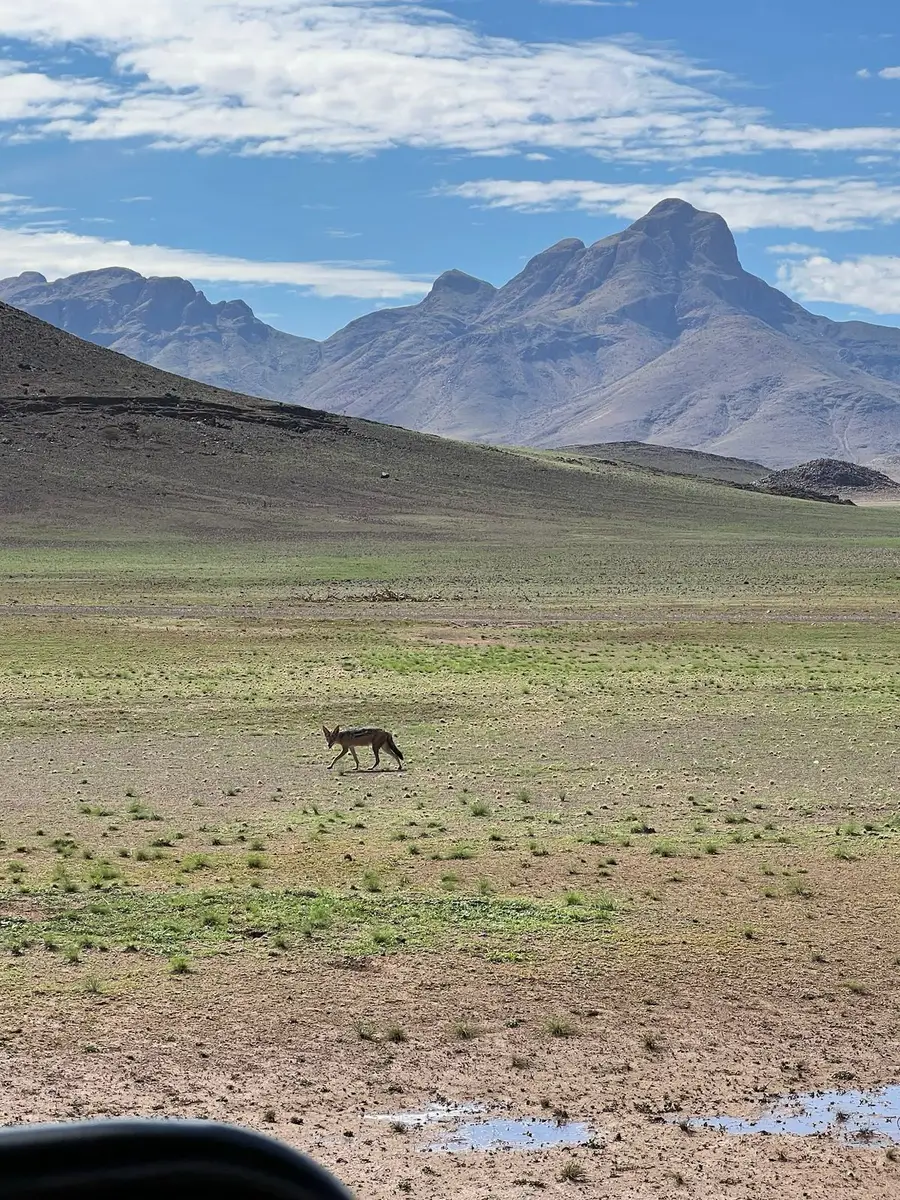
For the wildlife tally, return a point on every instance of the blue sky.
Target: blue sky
(324, 157)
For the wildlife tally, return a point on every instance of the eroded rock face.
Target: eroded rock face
(655, 334)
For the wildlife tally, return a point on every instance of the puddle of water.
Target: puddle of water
(496, 1133)
(527, 1134)
(858, 1118)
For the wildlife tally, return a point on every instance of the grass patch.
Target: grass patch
(205, 922)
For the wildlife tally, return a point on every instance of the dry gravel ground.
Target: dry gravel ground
(700, 809)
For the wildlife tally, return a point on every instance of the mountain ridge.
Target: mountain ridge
(166, 322)
(97, 445)
(653, 334)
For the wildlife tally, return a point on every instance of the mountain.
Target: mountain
(655, 334)
(168, 324)
(94, 444)
(97, 447)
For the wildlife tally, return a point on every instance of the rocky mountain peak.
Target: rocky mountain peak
(687, 236)
(460, 282)
(457, 294)
(540, 274)
(234, 310)
(101, 277)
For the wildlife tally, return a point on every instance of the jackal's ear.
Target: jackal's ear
(326, 731)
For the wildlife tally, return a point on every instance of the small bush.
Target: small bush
(572, 1172)
(466, 1031)
(561, 1027)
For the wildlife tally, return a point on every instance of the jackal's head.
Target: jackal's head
(331, 734)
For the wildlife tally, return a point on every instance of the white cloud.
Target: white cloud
(793, 248)
(745, 201)
(890, 73)
(32, 96)
(21, 206)
(350, 76)
(56, 253)
(871, 281)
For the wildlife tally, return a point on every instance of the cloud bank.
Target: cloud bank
(870, 281)
(745, 201)
(56, 253)
(352, 76)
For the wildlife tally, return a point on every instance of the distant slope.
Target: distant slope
(91, 441)
(674, 461)
(655, 334)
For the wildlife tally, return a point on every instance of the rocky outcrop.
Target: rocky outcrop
(831, 475)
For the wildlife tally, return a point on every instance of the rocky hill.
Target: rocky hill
(830, 476)
(655, 334)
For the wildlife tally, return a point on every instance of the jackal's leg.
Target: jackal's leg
(341, 755)
(377, 759)
(355, 759)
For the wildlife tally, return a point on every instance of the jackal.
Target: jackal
(349, 739)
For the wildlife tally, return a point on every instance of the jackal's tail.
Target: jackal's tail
(395, 748)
